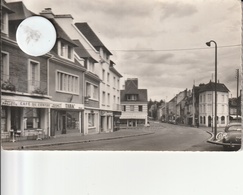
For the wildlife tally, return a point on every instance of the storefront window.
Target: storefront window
(31, 118)
(3, 120)
(91, 119)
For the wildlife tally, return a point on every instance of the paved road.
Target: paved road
(166, 137)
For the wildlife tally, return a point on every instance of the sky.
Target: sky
(162, 42)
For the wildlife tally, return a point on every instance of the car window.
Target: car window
(235, 128)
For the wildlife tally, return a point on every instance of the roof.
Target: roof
(211, 87)
(61, 34)
(142, 95)
(112, 69)
(81, 51)
(4, 6)
(21, 12)
(85, 29)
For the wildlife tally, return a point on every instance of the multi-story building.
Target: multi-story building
(207, 104)
(25, 100)
(91, 92)
(134, 104)
(110, 80)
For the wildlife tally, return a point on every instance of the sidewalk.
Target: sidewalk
(75, 138)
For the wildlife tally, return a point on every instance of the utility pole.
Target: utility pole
(193, 104)
(237, 92)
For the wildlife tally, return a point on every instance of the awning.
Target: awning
(37, 102)
(24, 101)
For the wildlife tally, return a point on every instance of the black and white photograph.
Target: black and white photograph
(121, 97)
(119, 75)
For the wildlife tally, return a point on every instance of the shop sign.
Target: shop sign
(25, 104)
(30, 104)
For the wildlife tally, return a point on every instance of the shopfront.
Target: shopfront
(27, 115)
(106, 121)
(66, 118)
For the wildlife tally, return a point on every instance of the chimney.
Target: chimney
(47, 12)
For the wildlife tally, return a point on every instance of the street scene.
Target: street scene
(169, 88)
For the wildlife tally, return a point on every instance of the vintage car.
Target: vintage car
(231, 136)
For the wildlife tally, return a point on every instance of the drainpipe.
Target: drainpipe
(48, 93)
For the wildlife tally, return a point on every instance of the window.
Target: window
(103, 74)
(118, 100)
(108, 77)
(5, 66)
(95, 92)
(118, 84)
(222, 98)
(88, 89)
(91, 119)
(114, 81)
(33, 75)
(114, 99)
(132, 97)
(67, 83)
(4, 23)
(131, 107)
(140, 108)
(222, 120)
(31, 118)
(124, 108)
(103, 98)
(222, 108)
(65, 50)
(200, 98)
(209, 97)
(108, 98)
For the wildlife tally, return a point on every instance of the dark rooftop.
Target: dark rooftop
(81, 51)
(85, 29)
(211, 87)
(21, 12)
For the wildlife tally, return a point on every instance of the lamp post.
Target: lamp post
(215, 87)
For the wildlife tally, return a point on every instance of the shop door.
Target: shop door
(15, 118)
(64, 124)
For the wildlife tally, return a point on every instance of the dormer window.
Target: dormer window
(4, 23)
(132, 97)
(65, 51)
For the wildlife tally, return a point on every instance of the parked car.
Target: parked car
(231, 137)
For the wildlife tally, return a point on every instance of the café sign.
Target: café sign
(36, 104)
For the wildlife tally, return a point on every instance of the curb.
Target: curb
(73, 142)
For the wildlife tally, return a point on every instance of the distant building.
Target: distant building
(207, 104)
(134, 104)
(234, 108)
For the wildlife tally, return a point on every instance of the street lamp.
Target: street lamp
(215, 113)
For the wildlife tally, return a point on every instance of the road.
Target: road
(166, 137)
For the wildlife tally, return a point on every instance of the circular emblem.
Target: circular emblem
(36, 36)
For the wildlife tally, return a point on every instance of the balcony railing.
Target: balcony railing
(20, 84)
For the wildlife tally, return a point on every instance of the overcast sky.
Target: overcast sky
(162, 42)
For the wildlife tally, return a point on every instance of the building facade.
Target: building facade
(25, 100)
(207, 105)
(134, 104)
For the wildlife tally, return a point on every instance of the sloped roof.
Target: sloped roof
(142, 95)
(112, 69)
(81, 51)
(85, 29)
(131, 86)
(4, 6)
(21, 12)
(61, 34)
(211, 87)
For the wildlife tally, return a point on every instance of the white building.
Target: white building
(207, 105)
(134, 104)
